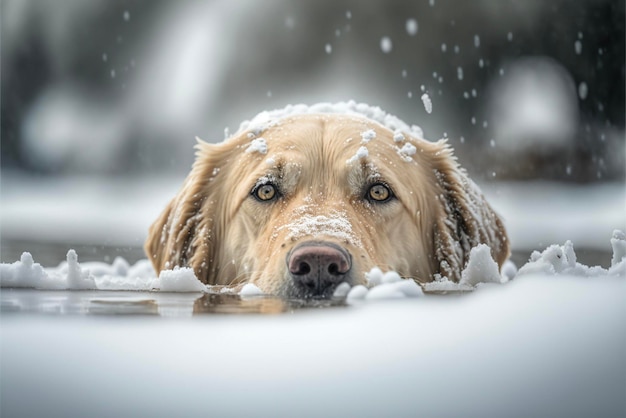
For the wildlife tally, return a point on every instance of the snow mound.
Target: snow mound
(384, 286)
(250, 289)
(71, 275)
(267, 119)
(27, 273)
(180, 280)
(561, 260)
(481, 268)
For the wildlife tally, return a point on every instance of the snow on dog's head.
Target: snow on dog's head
(318, 205)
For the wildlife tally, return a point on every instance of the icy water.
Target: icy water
(102, 302)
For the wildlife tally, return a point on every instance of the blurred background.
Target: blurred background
(101, 101)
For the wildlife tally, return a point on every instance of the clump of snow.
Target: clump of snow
(411, 27)
(267, 119)
(398, 136)
(362, 152)
(78, 278)
(578, 47)
(23, 273)
(257, 145)
(561, 260)
(385, 44)
(481, 268)
(583, 90)
(180, 279)
(509, 270)
(250, 289)
(374, 277)
(618, 243)
(342, 290)
(407, 151)
(428, 104)
(388, 285)
(367, 136)
(358, 292)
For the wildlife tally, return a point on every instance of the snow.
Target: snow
(533, 225)
(428, 104)
(398, 136)
(269, 118)
(362, 152)
(561, 260)
(257, 145)
(180, 280)
(250, 289)
(555, 260)
(583, 90)
(342, 290)
(481, 268)
(407, 151)
(411, 27)
(386, 45)
(534, 105)
(367, 136)
(618, 244)
(336, 225)
(528, 348)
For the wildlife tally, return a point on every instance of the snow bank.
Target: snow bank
(532, 348)
(481, 269)
(95, 275)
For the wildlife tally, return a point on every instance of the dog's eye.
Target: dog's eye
(265, 192)
(379, 193)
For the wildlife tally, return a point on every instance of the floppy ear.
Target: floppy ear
(185, 233)
(467, 219)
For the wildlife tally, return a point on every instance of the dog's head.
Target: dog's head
(318, 199)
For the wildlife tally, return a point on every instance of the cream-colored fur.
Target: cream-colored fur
(216, 226)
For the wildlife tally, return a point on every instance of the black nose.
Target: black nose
(317, 268)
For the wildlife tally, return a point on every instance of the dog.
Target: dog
(307, 200)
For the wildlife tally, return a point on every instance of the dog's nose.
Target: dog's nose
(317, 268)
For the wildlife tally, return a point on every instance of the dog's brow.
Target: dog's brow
(360, 175)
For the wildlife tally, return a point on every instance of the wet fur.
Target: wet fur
(216, 227)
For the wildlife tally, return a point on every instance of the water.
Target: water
(129, 303)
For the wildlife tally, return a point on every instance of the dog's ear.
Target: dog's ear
(184, 234)
(467, 219)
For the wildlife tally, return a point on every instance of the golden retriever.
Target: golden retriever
(314, 200)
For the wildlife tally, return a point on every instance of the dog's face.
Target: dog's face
(316, 200)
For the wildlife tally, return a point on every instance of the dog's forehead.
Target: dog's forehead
(317, 147)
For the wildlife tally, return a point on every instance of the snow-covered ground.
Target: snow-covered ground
(538, 346)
